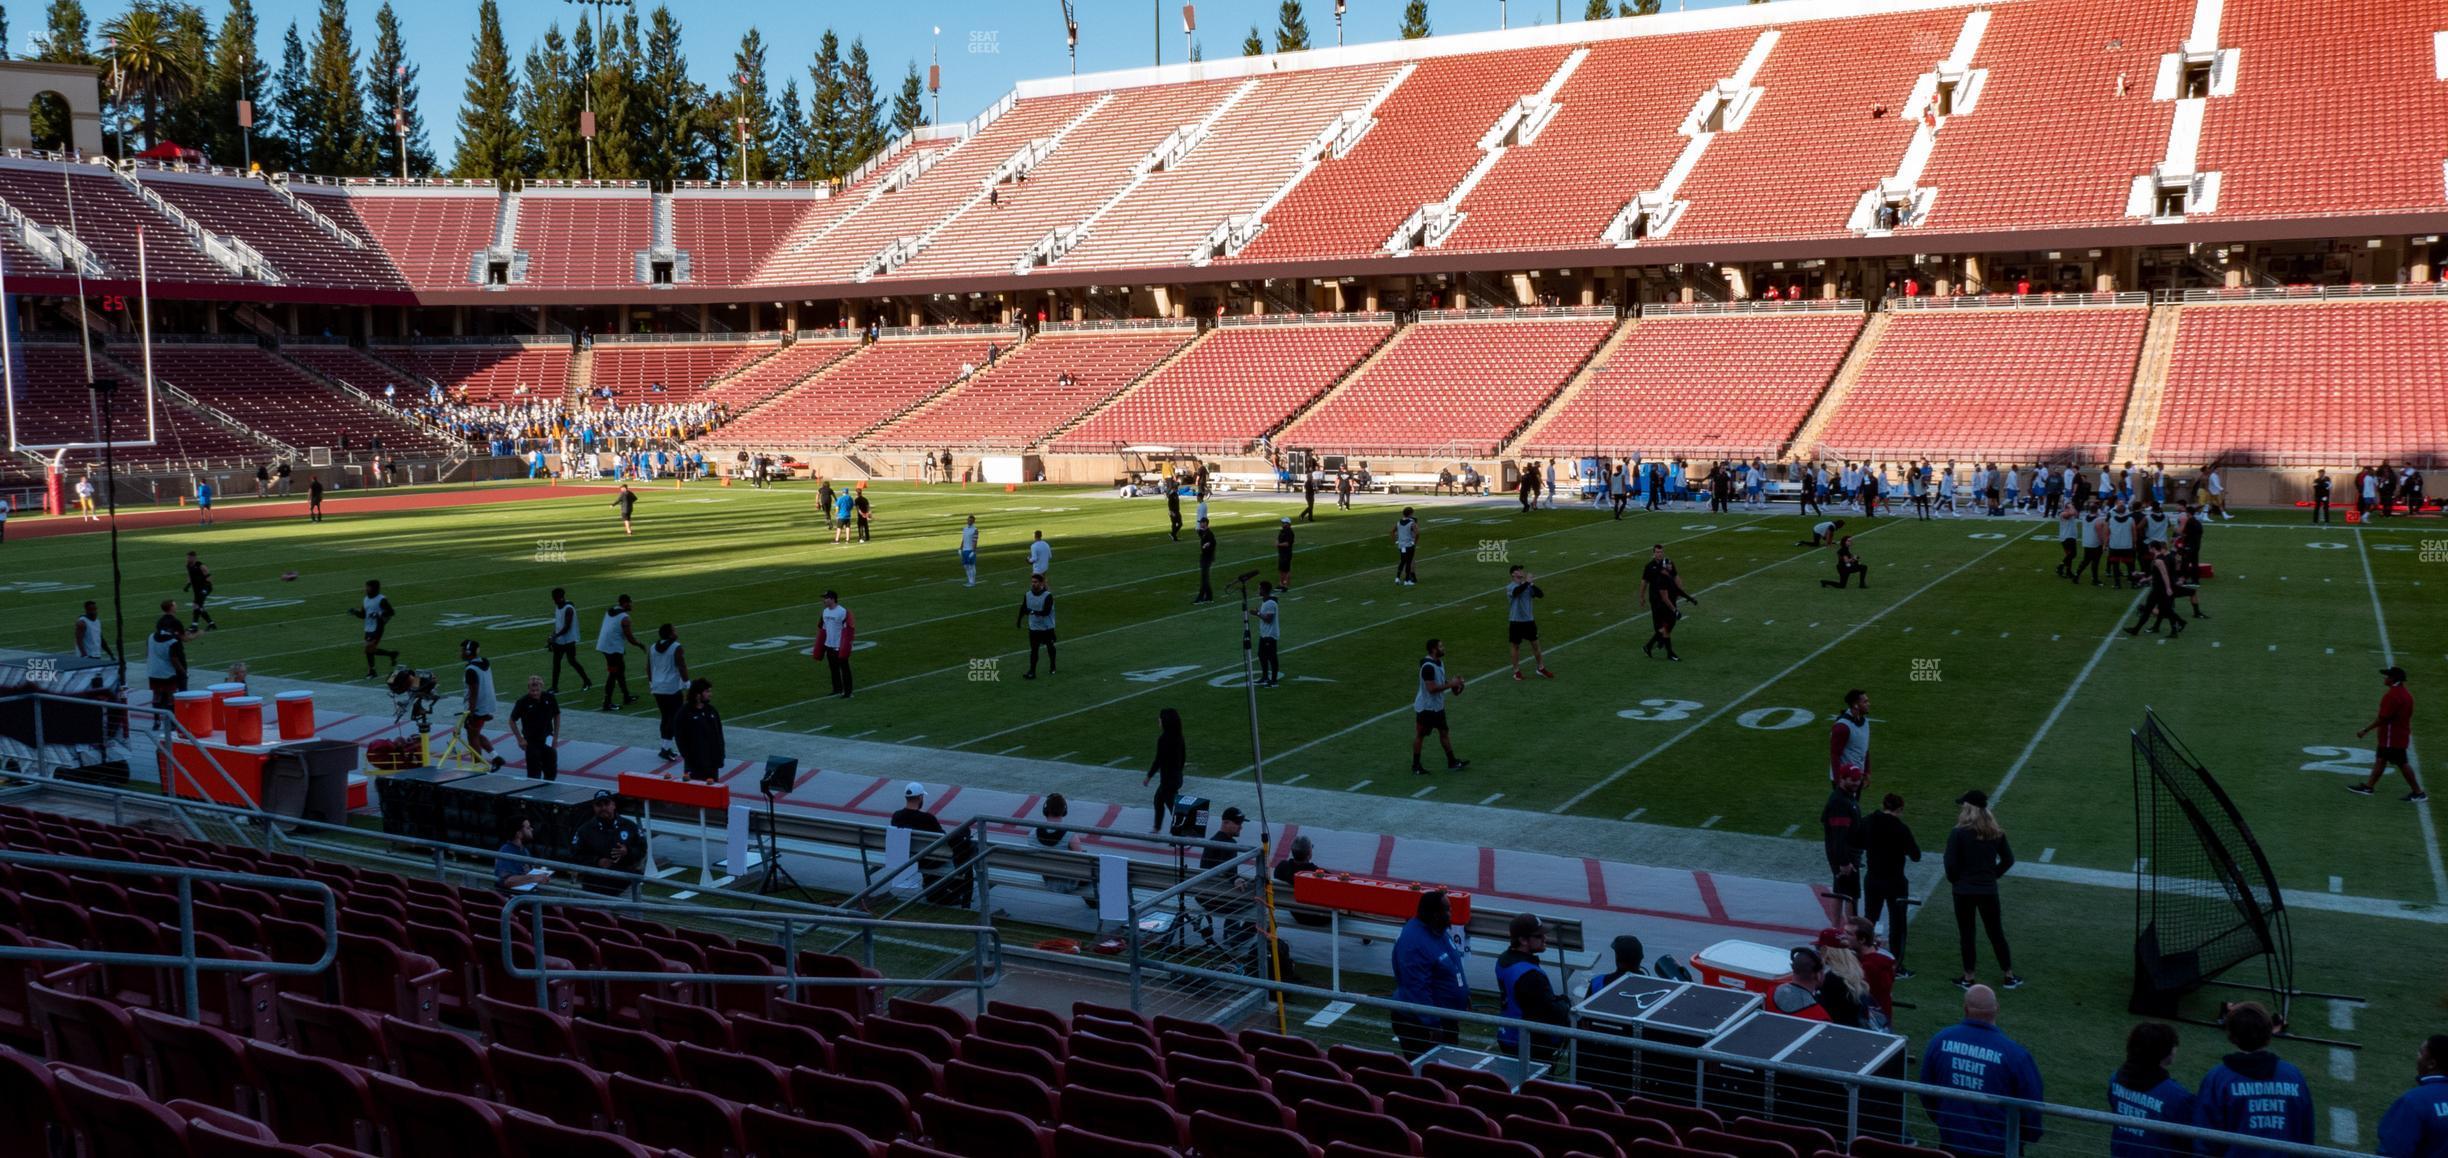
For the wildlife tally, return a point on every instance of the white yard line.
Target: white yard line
(2388, 657)
(2072, 689)
(1773, 680)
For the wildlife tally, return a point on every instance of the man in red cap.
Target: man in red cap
(1838, 819)
(2395, 723)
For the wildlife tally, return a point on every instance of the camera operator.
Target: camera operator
(608, 840)
(480, 704)
(535, 722)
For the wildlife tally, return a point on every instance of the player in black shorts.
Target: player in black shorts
(1283, 556)
(1847, 566)
(377, 612)
(1661, 587)
(199, 581)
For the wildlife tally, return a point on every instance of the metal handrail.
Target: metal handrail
(160, 715)
(189, 965)
(988, 951)
(2006, 301)
(1575, 1037)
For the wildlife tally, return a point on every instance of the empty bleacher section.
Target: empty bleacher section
(300, 250)
(1811, 144)
(107, 217)
(1451, 386)
(2333, 112)
(1613, 136)
(2329, 382)
(53, 407)
(840, 249)
(1702, 386)
(433, 236)
(486, 373)
(2036, 383)
(867, 388)
(1254, 149)
(1239, 382)
(584, 239)
(2064, 120)
(1023, 397)
(1094, 163)
(354, 368)
(773, 375)
(1425, 140)
(631, 369)
(725, 234)
(281, 401)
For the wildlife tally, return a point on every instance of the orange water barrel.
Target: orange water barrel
(221, 695)
(242, 720)
(297, 717)
(195, 712)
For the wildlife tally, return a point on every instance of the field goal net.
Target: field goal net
(2205, 900)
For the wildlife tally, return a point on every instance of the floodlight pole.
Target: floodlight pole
(586, 128)
(1266, 840)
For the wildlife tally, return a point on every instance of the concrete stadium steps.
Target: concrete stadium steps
(1805, 441)
(1110, 400)
(1580, 381)
(2149, 385)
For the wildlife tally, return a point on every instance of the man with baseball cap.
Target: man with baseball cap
(2395, 723)
(608, 840)
(1628, 954)
(952, 888)
(1528, 994)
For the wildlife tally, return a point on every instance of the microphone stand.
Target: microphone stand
(1266, 844)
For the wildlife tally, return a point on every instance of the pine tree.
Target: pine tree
(188, 113)
(1291, 28)
(237, 73)
(338, 144)
(548, 109)
(391, 88)
(748, 102)
(614, 87)
(1639, 8)
(490, 144)
(862, 111)
(671, 141)
(909, 105)
(1253, 44)
(1597, 10)
(63, 40)
(1415, 21)
(4, 34)
(789, 148)
(828, 137)
(1198, 51)
(294, 100)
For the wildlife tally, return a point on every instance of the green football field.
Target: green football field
(1984, 670)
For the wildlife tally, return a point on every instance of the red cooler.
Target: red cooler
(195, 712)
(297, 718)
(1743, 965)
(242, 721)
(221, 694)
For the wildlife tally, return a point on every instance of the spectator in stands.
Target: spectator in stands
(2142, 1089)
(1525, 990)
(1974, 1055)
(1058, 811)
(1300, 860)
(1977, 854)
(1628, 955)
(2253, 1091)
(512, 871)
(2416, 1125)
(698, 733)
(1798, 996)
(1428, 971)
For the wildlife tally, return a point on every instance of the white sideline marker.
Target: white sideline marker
(1634, 814)
(1359, 786)
(1423, 792)
(2341, 1126)
(922, 735)
(2337, 885)
(2047, 855)
(2341, 1064)
(1296, 780)
(1711, 822)
(1493, 797)
(2341, 1014)
(1057, 759)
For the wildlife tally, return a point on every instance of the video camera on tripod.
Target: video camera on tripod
(1190, 817)
(413, 696)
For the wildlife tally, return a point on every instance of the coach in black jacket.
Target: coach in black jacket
(698, 733)
(1888, 842)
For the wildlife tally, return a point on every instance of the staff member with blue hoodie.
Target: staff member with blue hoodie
(2253, 1091)
(2142, 1089)
(2416, 1125)
(1974, 1055)
(1428, 971)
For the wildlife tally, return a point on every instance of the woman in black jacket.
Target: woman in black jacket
(698, 733)
(1172, 752)
(1976, 856)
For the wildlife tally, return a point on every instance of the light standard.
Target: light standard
(586, 116)
(935, 76)
(741, 123)
(246, 119)
(1071, 34)
(399, 113)
(1338, 23)
(1189, 25)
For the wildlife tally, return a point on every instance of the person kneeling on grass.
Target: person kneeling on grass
(1848, 565)
(1822, 533)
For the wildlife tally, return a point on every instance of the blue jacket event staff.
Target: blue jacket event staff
(2416, 1126)
(1428, 970)
(2255, 1093)
(2168, 1101)
(1976, 1056)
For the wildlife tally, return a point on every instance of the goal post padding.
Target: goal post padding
(2205, 900)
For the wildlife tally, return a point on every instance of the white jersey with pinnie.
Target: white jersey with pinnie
(1431, 674)
(663, 668)
(612, 638)
(377, 609)
(565, 624)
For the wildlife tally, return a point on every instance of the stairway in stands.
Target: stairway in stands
(1160, 367)
(2149, 385)
(1341, 384)
(1805, 442)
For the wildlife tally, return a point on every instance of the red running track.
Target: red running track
(295, 508)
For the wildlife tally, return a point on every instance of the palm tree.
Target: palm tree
(138, 48)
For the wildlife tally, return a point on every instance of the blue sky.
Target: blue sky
(986, 45)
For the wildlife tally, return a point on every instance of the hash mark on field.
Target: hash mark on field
(2141, 863)
(2055, 638)
(1813, 623)
(818, 728)
(1711, 822)
(922, 735)
(2273, 647)
(1790, 829)
(1115, 760)
(1057, 759)
(2337, 884)
(1296, 780)
(1423, 792)
(2004, 634)
(1367, 602)
(1010, 750)
(2341, 1125)
(1359, 786)
(2047, 855)
(2329, 651)
(2341, 1014)
(2214, 643)
(1236, 774)
(1634, 814)
(2341, 1064)
(1493, 797)
(868, 732)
